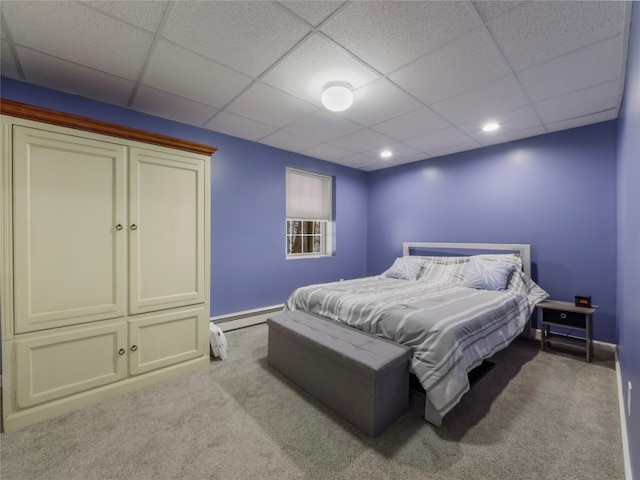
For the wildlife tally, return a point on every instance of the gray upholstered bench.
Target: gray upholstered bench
(362, 377)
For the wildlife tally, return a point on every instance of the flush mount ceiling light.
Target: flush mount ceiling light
(337, 96)
(490, 127)
(386, 154)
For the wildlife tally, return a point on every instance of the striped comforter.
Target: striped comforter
(450, 328)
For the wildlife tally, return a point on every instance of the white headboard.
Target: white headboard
(521, 249)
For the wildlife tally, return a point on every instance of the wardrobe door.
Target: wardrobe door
(163, 339)
(54, 365)
(166, 230)
(69, 235)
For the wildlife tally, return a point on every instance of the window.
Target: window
(308, 214)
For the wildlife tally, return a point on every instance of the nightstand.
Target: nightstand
(567, 315)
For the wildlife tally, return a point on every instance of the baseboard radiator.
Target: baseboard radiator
(246, 318)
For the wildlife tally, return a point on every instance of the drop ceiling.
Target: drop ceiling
(426, 75)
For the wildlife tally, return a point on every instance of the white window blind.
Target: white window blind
(308, 196)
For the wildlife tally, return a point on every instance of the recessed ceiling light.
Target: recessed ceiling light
(337, 96)
(490, 127)
(386, 153)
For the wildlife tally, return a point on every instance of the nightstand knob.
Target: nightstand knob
(563, 315)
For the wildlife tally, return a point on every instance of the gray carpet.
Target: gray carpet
(534, 416)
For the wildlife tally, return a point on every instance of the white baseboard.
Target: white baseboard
(246, 318)
(623, 424)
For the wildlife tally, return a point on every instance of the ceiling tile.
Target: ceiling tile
(390, 34)
(248, 36)
(165, 105)
(589, 66)
(489, 9)
(375, 166)
(511, 136)
(326, 152)
(357, 161)
(289, 141)
(410, 159)
(410, 125)
(271, 106)
(238, 126)
(147, 14)
(323, 125)
(515, 120)
(74, 32)
(377, 101)
(459, 66)
(59, 74)
(181, 72)
(463, 147)
(539, 31)
(485, 103)
(313, 12)
(582, 121)
(399, 150)
(9, 67)
(573, 105)
(314, 64)
(362, 141)
(438, 140)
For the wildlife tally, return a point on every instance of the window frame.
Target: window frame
(326, 223)
(322, 236)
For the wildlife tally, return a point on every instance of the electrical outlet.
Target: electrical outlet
(629, 390)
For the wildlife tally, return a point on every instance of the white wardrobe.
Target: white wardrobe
(105, 260)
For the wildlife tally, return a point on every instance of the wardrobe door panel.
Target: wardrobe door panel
(166, 230)
(69, 235)
(61, 364)
(166, 339)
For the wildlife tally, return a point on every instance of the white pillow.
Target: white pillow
(405, 268)
(513, 258)
(488, 274)
(453, 269)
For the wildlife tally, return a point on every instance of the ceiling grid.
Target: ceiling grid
(426, 75)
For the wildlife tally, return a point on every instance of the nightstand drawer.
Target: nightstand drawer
(562, 317)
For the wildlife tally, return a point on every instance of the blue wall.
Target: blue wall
(248, 268)
(248, 265)
(629, 238)
(556, 192)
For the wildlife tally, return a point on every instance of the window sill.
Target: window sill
(302, 257)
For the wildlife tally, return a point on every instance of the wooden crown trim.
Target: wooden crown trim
(53, 117)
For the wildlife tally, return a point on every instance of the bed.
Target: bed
(454, 305)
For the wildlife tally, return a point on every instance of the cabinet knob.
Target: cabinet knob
(122, 351)
(118, 227)
(134, 226)
(563, 315)
(134, 348)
